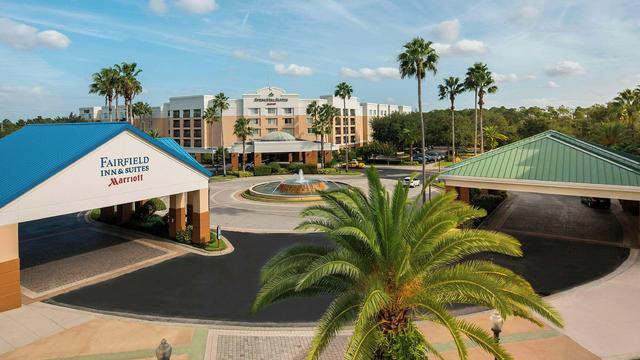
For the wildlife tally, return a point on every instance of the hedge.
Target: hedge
(262, 170)
(275, 167)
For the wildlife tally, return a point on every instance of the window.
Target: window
(353, 121)
(168, 113)
(85, 111)
(272, 121)
(186, 113)
(288, 121)
(186, 143)
(176, 133)
(197, 133)
(353, 129)
(197, 123)
(344, 138)
(256, 132)
(272, 111)
(338, 140)
(309, 130)
(197, 143)
(338, 131)
(270, 130)
(288, 111)
(254, 122)
(288, 131)
(353, 138)
(186, 123)
(345, 112)
(254, 111)
(176, 114)
(375, 112)
(176, 123)
(197, 113)
(186, 133)
(337, 121)
(352, 112)
(309, 121)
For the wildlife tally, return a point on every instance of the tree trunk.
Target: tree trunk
(453, 132)
(480, 103)
(244, 156)
(475, 108)
(346, 155)
(110, 110)
(322, 148)
(117, 107)
(224, 160)
(424, 153)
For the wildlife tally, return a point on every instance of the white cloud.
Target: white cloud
(19, 90)
(196, 6)
(293, 70)
(530, 77)
(241, 54)
(278, 55)
(565, 68)
(462, 47)
(527, 15)
(371, 74)
(552, 84)
(24, 37)
(505, 77)
(158, 6)
(447, 30)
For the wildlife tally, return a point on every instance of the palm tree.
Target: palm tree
(395, 261)
(104, 83)
(344, 91)
(131, 86)
(494, 136)
(410, 137)
(450, 88)
(485, 85)
(153, 133)
(612, 134)
(242, 130)
(219, 104)
(418, 58)
(627, 105)
(313, 110)
(471, 82)
(141, 109)
(324, 124)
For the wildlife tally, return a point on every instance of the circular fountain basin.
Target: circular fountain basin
(293, 189)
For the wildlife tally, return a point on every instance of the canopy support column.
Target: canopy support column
(10, 295)
(200, 216)
(177, 220)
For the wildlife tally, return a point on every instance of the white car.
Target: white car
(408, 181)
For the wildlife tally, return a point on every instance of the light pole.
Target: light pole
(496, 326)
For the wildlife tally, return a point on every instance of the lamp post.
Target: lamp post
(496, 326)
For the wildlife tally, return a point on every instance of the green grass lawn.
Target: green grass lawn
(215, 245)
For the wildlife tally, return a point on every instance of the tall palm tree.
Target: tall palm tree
(494, 136)
(471, 82)
(486, 85)
(410, 137)
(450, 88)
(417, 58)
(344, 91)
(153, 133)
(612, 134)
(324, 124)
(395, 261)
(313, 110)
(627, 105)
(131, 86)
(104, 83)
(219, 104)
(242, 130)
(141, 109)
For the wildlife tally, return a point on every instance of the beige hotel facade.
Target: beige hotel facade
(269, 109)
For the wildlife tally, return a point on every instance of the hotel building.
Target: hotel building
(269, 109)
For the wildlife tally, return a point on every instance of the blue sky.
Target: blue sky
(567, 52)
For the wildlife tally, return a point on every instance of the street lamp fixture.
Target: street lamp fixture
(496, 326)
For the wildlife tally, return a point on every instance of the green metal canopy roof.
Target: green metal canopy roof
(554, 157)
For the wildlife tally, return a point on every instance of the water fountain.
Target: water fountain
(295, 189)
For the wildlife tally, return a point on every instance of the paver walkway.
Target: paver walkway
(102, 337)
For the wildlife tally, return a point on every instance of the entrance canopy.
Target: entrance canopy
(280, 142)
(49, 170)
(551, 163)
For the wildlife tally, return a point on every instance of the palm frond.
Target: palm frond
(340, 312)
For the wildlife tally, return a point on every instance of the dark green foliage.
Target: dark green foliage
(262, 170)
(8, 126)
(158, 204)
(406, 344)
(294, 166)
(275, 167)
(309, 168)
(375, 148)
(184, 236)
(154, 224)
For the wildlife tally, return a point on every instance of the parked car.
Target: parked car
(436, 155)
(594, 202)
(249, 166)
(411, 182)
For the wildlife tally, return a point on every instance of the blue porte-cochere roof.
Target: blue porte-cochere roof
(34, 153)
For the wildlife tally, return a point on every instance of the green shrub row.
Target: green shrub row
(262, 170)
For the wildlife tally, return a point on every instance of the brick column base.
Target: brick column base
(201, 233)
(124, 213)
(10, 295)
(177, 222)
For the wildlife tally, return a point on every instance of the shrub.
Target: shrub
(275, 167)
(184, 236)
(327, 171)
(95, 214)
(158, 204)
(294, 166)
(262, 170)
(488, 201)
(309, 168)
(244, 173)
(406, 344)
(153, 224)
